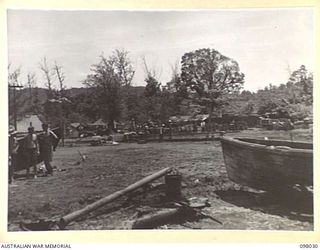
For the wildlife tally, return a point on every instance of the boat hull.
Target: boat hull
(268, 165)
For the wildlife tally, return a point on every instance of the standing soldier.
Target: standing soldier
(48, 142)
(13, 151)
(161, 133)
(32, 150)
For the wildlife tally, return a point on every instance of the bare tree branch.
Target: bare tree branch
(60, 76)
(123, 66)
(151, 72)
(31, 78)
(146, 69)
(48, 75)
(13, 78)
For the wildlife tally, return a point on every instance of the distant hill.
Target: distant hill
(31, 101)
(76, 91)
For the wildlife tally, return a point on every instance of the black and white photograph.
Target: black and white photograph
(171, 119)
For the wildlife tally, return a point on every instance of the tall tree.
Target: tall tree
(152, 92)
(300, 86)
(107, 85)
(31, 82)
(152, 95)
(168, 105)
(173, 84)
(181, 101)
(51, 110)
(123, 67)
(152, 88)
(125, 71)
(61, 77)
(151, 72)
(136, 108)
(48, 76)
(86, 106)
(211, 75)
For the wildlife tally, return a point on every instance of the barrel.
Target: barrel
(173, 186)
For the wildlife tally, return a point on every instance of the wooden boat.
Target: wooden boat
(269, 165)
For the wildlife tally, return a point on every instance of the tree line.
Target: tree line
(206, 83)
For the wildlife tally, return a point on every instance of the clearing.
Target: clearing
(109, 168)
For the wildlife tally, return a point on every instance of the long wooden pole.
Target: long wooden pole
(64, 221)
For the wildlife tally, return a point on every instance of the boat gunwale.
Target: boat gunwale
(257, 146)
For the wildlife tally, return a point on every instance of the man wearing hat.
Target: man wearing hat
(32, 150)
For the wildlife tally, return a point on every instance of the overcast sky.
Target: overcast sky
(265, 43)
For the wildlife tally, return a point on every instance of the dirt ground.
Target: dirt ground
(110, 168)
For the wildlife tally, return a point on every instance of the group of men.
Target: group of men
(35, 148)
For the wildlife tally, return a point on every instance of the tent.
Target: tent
(99, 122)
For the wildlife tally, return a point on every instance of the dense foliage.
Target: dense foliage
(208, 82)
